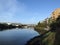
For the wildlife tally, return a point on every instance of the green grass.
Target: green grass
(40, 30)
(49, 40)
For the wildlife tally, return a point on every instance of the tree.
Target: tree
(55, 27)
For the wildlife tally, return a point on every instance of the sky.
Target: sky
(27, 11)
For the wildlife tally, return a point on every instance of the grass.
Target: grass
(49, 40)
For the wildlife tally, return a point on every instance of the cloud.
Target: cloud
(8, 9)
(14, 11)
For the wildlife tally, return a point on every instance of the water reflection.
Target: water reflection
(16, 36)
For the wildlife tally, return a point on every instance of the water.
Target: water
(16, 36)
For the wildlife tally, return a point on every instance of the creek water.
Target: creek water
(17, 36)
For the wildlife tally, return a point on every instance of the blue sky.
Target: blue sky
(27, 11)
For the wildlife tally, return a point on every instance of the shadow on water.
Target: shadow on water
(37, 40)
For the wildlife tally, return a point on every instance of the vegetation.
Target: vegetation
(42, 27)
(55, 27)
(50, 37)
(49, 40)
(4, 26)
